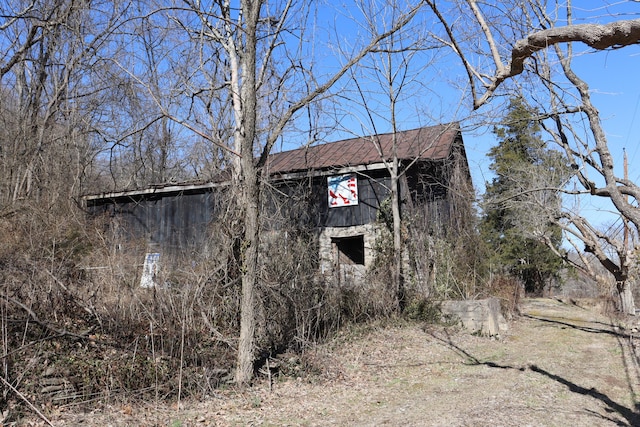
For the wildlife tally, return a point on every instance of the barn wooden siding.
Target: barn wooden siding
(305, 201)
(181, 220)
(175, 221)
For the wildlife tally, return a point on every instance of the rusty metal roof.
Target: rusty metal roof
(427, 143)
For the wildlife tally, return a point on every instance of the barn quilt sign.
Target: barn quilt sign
(343, 190)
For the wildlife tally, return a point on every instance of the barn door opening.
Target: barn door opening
(349, 250)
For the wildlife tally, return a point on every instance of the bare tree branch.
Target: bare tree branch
(321, 89)
(598, 36)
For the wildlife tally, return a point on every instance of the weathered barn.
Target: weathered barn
(336, 189)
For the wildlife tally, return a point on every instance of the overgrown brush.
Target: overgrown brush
(77, 328)
(508, 290)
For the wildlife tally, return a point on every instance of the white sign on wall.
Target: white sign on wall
(343, 190)
(150, 270)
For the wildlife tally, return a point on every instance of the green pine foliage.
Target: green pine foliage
(520, 204)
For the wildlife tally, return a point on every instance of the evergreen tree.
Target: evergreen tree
(520, 203)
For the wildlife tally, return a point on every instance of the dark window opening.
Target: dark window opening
(350, 249)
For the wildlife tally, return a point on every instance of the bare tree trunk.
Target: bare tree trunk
(395, 190)
(254, 53)
(246, 345)
(625, 297)
(246, 132)
(397, 232)
(590, 155)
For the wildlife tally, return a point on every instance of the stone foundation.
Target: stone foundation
(478, 316)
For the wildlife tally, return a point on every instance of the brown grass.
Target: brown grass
(558, 365)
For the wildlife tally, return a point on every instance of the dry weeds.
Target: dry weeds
(559, 364)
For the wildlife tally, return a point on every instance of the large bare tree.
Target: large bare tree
(252, 72)
(534, 40)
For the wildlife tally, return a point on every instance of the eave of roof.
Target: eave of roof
(155, 190)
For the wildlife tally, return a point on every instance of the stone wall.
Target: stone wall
(329, 256)
(478, 316)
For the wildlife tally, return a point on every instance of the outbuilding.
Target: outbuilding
(341, 190)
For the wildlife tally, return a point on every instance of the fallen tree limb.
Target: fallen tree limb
(35, 319)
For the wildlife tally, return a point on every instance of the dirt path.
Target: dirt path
(558, 365)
